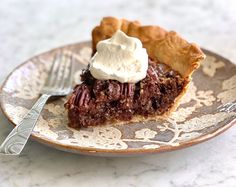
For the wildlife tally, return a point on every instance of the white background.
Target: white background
(31, 27)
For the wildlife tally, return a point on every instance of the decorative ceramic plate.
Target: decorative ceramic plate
(208, 108)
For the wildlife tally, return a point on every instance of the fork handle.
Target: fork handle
(16, 140)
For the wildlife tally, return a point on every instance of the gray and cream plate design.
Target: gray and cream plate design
(208, 109)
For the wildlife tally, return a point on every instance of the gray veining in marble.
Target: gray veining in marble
(30, 27)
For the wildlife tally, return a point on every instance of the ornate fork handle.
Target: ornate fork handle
(16, 140)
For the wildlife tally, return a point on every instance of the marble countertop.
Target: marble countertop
(31, 27)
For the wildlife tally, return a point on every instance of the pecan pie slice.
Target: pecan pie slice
(172, 61)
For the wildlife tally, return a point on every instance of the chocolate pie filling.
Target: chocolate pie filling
(95, 102)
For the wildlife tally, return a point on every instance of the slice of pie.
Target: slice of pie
(171, 63)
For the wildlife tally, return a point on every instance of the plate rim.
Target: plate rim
(109, 152)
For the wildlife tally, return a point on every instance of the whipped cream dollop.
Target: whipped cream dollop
(120, 58)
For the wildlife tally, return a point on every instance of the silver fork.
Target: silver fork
(58, 83)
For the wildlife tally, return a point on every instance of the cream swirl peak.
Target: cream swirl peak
(120, 58)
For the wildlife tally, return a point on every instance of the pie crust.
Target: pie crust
(167, 47)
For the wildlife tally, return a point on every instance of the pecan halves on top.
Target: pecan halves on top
(113, 90)
(127, 89)
(82, 96)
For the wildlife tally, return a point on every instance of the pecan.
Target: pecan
(113, 90)
(131, 88)
(82, 96)
(99, 89)
(152, 73)
(127, 89)
(77, 95)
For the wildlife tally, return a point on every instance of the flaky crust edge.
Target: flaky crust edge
(167, 47)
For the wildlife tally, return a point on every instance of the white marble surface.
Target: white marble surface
(30, 27)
